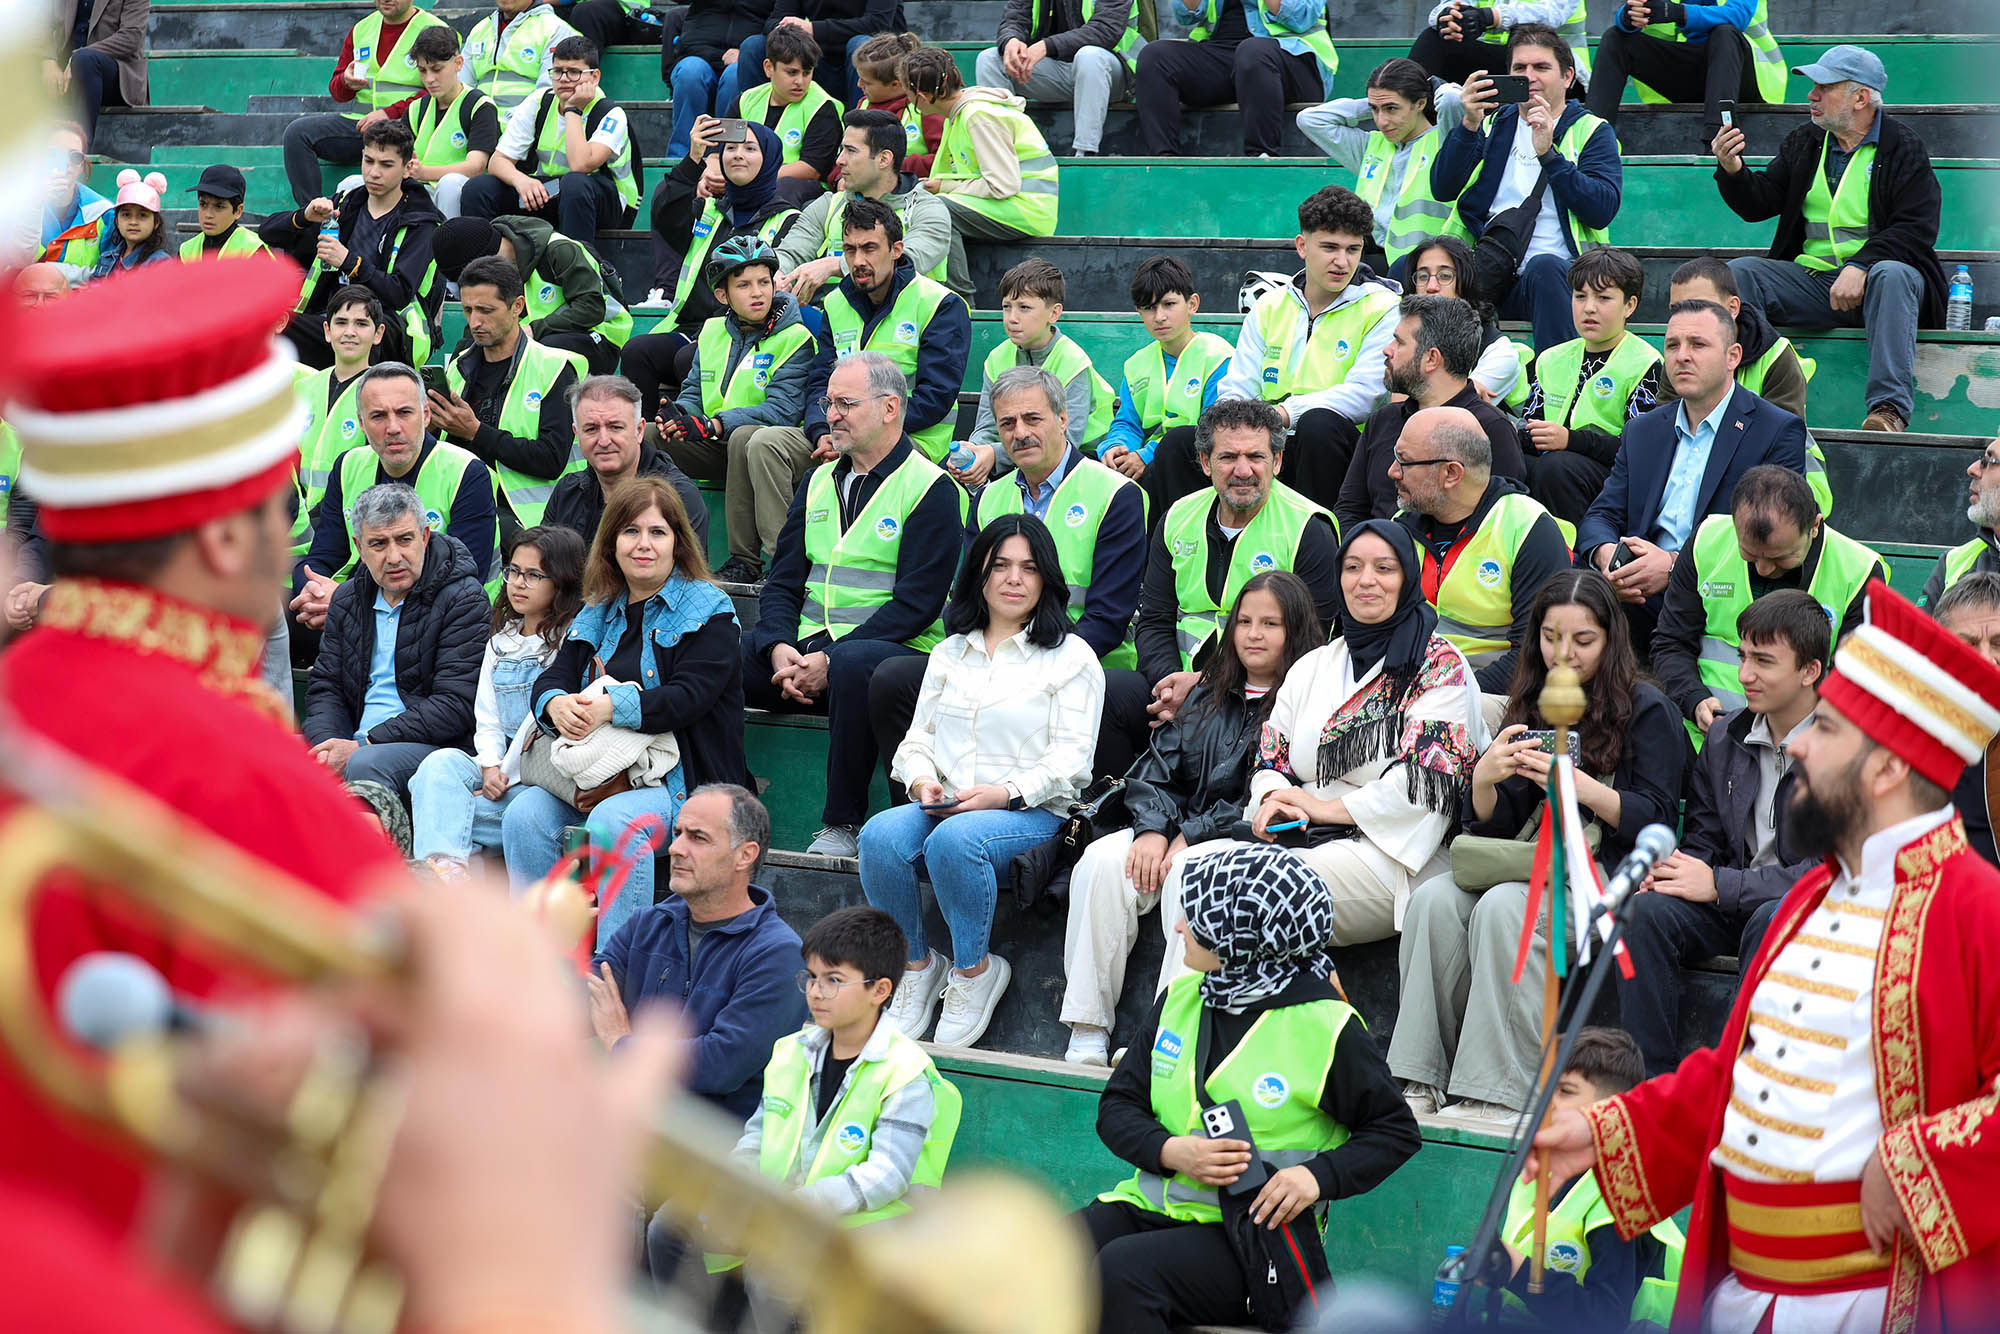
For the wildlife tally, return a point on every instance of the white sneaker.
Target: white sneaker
(916, 998)
(836, 840)
(1490, 1114)
(1424, 1099)
(969, 1002)
(1088, 1045)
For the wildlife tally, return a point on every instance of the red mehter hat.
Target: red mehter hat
(1915, 687)
(154, 403)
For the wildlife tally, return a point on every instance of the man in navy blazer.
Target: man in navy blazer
(1681, 462)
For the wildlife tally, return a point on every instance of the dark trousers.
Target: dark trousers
(311, 140)
(1320, 446)
(850, 751)
(583, 204)
(1566, 483)
(658, 363)
(1156, 1274)
(1257, 74)
(1455, 62)
(1704, 72)
(1663, 935)
(1174, 472)
(93, 85)
(606, 24)
(600, 352)
(1121, 732)
(1541, 296)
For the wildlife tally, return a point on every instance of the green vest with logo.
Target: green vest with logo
(1475, 600)
(1033, 210)
(1316, 38)
(700, 239)
(1837, 223)
(1766, 60)
(1065, 361)
(241, 241)
(1752, 376)
(552, 160)
(435, 481)
(746, 384)
(414, 318)
(1416, 214)
(544, 298)
(1524, 357)
(330, 432)
(1131, 38)
(1601, 405)
(836, 210)
(853, 573)
(1163, 404)
(398, 77)
(793, 120)
(1571, 146)
(1722, 577)
(1322, 358)
(506, 64)
(1075, 515)
(1276, 1073)
(521, 415)
(1958, 562)
(440, 135)
(10, 468)
(897, 336)
(1271, 542)
(1571, 1220)
(1575, 30)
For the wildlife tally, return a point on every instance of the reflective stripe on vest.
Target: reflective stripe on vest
(745, 388)
(1571, 146)
(1163, 404)
(853, 573)
(552, 159)
(1765, 58)
(1571, 1220)
(1324, 356)
(241, 241)
(897, 335)
(793, 120)
(1276, 1073)
(544, 298)
(1837, 224)
(1316, 38)
(1131, 37)
(507, 64)
(1416, 214)
(700, 240)
(1270, 542)
(1064, 360)
(836, 209)
(1075, 517)
(435, 481)
(535, 376)
(81, 245)
(329, 433)
(1475, 601)
(440, 135)
(1603, 407)
(1033, 210)
(1575, 30)
(397, 80)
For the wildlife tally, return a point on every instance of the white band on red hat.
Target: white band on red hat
(72, 460)
(1917, 688)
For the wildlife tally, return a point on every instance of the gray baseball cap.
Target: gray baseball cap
(1847, 64)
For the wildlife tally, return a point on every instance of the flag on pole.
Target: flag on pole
(1566, 877)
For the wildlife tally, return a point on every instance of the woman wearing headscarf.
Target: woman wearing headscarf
(1369, 745)
(1258, 1022)
(717, 191)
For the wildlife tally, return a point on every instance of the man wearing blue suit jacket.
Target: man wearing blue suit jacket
(1680, 463)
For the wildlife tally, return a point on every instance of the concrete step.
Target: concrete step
(129, 135)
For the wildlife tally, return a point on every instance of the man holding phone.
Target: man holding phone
(1461, 37)
(1689, 53)
(1543, 182)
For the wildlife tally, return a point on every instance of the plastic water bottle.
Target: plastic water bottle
(1444, 1288)
(1993, 324)
(1958, 306)
(961, 456)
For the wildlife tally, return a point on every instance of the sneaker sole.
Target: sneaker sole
(992, 1004)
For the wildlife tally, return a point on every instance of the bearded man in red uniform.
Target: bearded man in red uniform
(1841, 1147)
(159, 432)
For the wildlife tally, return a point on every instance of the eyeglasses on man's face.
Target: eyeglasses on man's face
(841, 407)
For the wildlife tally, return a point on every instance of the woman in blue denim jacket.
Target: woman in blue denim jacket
(456, 799)
(678, 670)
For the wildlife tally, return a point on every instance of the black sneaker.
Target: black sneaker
(740, 570)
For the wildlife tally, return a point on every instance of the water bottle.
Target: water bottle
(1958, 307)
(1444, 1287)
(1993, 324)
(961, 456)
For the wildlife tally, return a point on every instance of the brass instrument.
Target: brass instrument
(984, 1254)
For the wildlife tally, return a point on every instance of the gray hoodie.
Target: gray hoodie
(926, 229)
(784, 393)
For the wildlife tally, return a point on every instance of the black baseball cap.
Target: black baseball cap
(222, 181)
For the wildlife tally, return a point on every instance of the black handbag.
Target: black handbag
(1097, 812)
(1496, 259)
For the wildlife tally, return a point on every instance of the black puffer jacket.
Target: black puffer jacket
(1195, 776)
(440, 641)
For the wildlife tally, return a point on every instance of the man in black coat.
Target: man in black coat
(398, 663)
(1824, 270)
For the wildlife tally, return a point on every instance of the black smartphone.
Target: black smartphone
(1728, 112)
(734, 131)
(1511, 89)
(434, 380)
(1623, 556)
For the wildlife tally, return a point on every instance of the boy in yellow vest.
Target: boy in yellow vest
(1167, 385)
(218, 197)
(457, 127)
(1591, 1279)
(1588, 388)
(1031, 302)
(802, 114)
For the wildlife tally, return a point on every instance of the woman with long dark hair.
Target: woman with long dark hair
(1465, 1031)
(1187, 789)
(1002, 740)
(1442, 266)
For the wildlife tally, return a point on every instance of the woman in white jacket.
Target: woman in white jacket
(456, 799)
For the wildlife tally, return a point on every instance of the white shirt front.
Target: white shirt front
(518, 135)
(1524, 168)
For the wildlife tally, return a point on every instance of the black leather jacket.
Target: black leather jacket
(1195, 776)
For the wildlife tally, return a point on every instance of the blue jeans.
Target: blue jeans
(963, 855)
(449, 815)
(532, 833)
(698, 88)
(837, 79)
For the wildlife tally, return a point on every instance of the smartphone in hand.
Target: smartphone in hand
(1509, 89)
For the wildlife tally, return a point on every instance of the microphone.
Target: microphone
(1654, 842)
(107, 997)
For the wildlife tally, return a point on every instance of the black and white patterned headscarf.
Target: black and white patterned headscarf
(1267, 916)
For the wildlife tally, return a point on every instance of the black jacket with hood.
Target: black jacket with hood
(394, 273)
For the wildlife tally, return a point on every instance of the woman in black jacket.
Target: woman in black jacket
(1187, 788)
(1465, 1030)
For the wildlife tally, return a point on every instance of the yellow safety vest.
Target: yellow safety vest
(1475, 601)
(506, 64)
(1075, 517)
(1417, 214)
(440, 135)
(793, 120)
(534, 379)
(836, 210)
(1765, 57)
(395, 80)
(1575, 30)
(852, 573)
(1571, 146)
(1602, 406)
(1321, 357)
(746, 384)
(330, 431)
(1316, 38)
(544, 298)
(1271, 542)
(1566, 1236)
(1163, 404)
(435, 480)
(897, 335)
(1752, 376)
(10, 468)
(699, 241)
(1065, 361)
(240, 241)
(1033, 210)
(1960, 561)
(551, 159)
(1837, 225)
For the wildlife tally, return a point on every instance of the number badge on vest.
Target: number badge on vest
(1166, 1052)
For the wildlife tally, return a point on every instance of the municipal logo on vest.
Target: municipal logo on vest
(1603, 386)
(777, 1106)
(887, 528)
(1184, 546)
(793, 135)
(1713, 589)
(1075, 515)
(1565, 1257)
(476, 50)
(1488, 574)
(458, 138)
(851, 1138)
(348, 426)
(1263, 561)
(1342, 348)
(527, 53)
(906, 332)
(1270, 1090)
(1193, 384)
(547, 292)
(532, 397)
(409, 61)
(361, 52)
(434, 521)
(1369, 170)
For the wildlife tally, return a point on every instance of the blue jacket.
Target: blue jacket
(737, 1000)
(1590, 188)
(944, 346)
(1752, 432)
(1701, 19)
